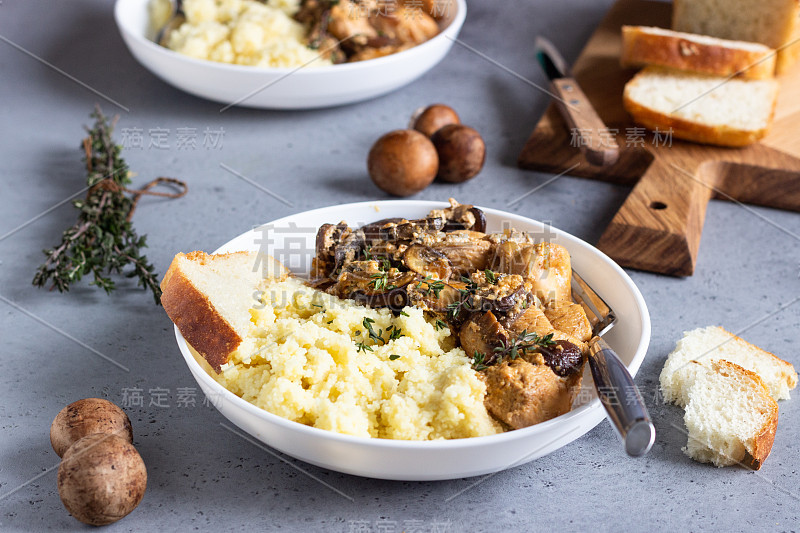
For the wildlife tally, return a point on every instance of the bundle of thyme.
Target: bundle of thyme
(103, 241)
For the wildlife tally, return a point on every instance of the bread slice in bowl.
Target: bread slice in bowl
(209, 298)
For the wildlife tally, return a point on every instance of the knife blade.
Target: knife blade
(594, 139)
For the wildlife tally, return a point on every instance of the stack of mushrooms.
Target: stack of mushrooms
(102, 477)
(404, 162)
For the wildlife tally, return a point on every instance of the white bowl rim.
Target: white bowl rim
(453, 27)
(633, 367)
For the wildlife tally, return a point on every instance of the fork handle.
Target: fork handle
(621, 399)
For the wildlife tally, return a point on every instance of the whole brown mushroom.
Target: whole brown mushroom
(85, 417)
(402, 162)
(101, 479)
(434, 117)
(461, 152)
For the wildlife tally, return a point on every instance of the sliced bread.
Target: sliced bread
(728, 388)
(701, 108)
(646, 45)
(705, 345)
(730, 417)
(209, 297)
(775, 23)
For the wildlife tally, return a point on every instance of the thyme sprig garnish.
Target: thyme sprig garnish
(376, 338)
(477, 361)
(432, 286)
(523, 343)
(103, 241)
(380, 280)
(464, 298)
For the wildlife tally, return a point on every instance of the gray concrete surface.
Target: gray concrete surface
(203, 477)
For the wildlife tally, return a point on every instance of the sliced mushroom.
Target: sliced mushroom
(461, 216)
(328, 238)
(474, 220)
(410, 229)
(348, 250)
(466, 250)
(481, 334)
(372, 231)
(426, 261)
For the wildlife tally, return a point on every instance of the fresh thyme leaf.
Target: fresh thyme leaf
(379, 281)
(464, 299)
(432, 286)
(477, 361)
(393, 331)
(403, 313)
(439, 324)
(395, 334)
(491, 277)
(367, 323)
(524, 342)
(102, 241)
(362, 347)
(394, 357)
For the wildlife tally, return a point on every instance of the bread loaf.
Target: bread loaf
(701, 108)
(775, 23)
(644, 46)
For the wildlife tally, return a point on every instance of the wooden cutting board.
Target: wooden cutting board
(659, 225)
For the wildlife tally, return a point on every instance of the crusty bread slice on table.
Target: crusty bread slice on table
(701, 108)
(209, 297)
(708, 344)
(730, 417)
(650, 46)
(775, 23)
(728, 388)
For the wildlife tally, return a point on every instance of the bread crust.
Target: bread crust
(786, 44)
(194, 314)
(692, 131)
(762, 442)
(791, 375)
(642, 48)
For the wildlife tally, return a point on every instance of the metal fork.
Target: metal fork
(614, 384)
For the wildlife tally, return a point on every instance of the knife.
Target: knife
(594, 139)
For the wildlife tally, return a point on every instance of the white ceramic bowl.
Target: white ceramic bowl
(291, 240)
(283, 88)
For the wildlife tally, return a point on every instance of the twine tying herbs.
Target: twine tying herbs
(103, 240)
